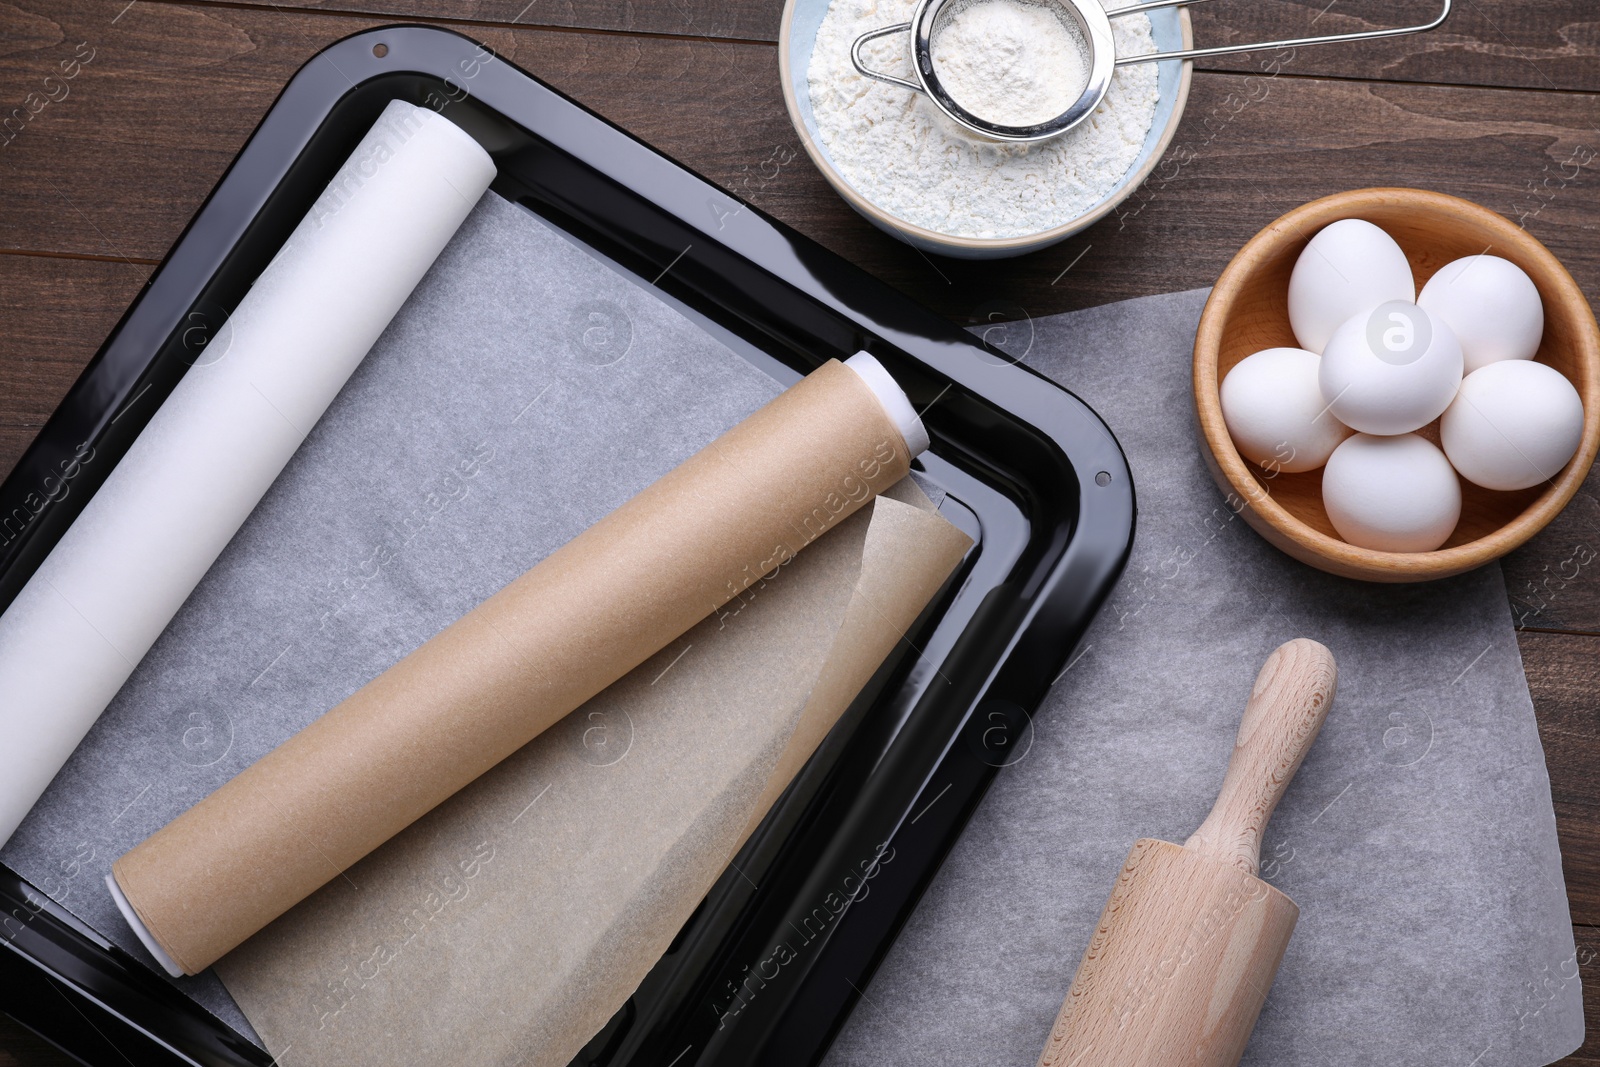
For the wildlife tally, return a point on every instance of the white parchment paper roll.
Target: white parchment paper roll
(104, 594)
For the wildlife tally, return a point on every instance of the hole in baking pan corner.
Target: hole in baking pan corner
(380, 49)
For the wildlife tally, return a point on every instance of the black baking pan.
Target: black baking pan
(838, 865)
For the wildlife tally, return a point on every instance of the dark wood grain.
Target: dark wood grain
(755, 20)
(53, 315)
(1564, 679)
(1534, 44)
(168, 129)
(21, 1047)
(168, 96)
(1587, 939)
(1538, 44)
(1499, 107)
(1245, 152)
(1244, 156)
(1554, 580)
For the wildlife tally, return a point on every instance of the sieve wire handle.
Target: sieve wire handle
(1227, 50)
(861, 66)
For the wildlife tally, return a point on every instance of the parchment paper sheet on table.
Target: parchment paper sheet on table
(524, 391)
(1418, 838)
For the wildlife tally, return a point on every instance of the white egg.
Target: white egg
(1347, 268)
(1275, 411)
(1392, 369)
(1492, 307)
(1392, 494)
(1513, 424)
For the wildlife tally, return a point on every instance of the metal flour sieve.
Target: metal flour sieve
(1094, 23)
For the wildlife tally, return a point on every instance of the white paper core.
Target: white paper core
(145, 939)
(894, 400)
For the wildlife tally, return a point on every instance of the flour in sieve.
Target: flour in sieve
(898, 151)
(1010, 62)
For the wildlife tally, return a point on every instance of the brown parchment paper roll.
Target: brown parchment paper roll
(507, 925)
(492, 681)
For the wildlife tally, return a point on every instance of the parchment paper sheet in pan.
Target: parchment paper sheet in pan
(510, 923)
(524, 391)
(693, 542)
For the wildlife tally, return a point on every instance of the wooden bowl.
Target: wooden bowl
(1249, 311)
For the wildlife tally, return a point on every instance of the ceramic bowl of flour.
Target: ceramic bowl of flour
(914, 174)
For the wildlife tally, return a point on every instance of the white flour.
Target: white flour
(1011, 62)
(901, 153)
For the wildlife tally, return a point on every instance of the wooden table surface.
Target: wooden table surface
(99, 173)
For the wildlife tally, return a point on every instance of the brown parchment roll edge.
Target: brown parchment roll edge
(490, 682)
(891, 592)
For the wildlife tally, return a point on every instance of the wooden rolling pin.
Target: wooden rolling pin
(1188, 944)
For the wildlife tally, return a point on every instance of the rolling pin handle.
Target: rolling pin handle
(1285, 712)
